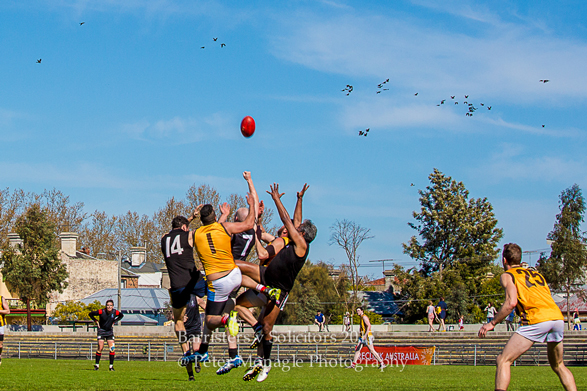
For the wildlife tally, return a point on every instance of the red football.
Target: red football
(248, 126)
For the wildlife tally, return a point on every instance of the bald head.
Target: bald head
(241, 214)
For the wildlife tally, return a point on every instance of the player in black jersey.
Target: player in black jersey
(193, 323)
(178, 250)
(105, 319)
(282, 271)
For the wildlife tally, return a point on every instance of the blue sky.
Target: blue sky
(126, 110)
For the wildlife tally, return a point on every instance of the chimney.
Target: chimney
(69, 243)
(14, 240)
(389, 277)
(165, 282)
(138, 255)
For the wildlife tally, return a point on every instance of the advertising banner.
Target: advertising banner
(392, 355)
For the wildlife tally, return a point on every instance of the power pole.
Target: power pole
(383, 262)
(119, 280)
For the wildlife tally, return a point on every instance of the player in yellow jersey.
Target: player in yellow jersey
(4, 310)
(542, 321)
(366, 339)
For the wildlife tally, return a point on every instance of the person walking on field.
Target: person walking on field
(542, 321)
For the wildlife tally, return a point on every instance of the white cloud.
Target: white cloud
(505, 63)
(513, 162)
(178, 131)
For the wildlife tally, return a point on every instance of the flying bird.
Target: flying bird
(481, 104)
(544, 81)
(456, 103)
(202, 47)
(378, 92)
(222, 45)
(452, 97)
(348, 88)
(215, 39)
(39, 60)
(412, 184)
(466, 96)
(416, 94)
(488, 107)
(82, 23)
(542, 125)
(442, 101)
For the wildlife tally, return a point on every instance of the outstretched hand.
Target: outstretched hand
(197, 211)
(274, 193)
(247, 175)
(261, 209)
(225, 208)
(301, 193)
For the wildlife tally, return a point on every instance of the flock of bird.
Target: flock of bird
(380, 88)
(471, 108)
(201, 47)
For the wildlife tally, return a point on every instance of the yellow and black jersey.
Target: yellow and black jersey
(286, 241)
(364, 326)
(213, 245)
(535, 303)
(2, 317)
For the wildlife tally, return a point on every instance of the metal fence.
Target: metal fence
(453, 354)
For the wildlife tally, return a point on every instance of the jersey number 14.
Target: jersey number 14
(175, 247)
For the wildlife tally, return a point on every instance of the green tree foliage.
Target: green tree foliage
(567, 264)
(314, 291)
(34, 269)
(463, 295)
(452, 227)
(75, 310)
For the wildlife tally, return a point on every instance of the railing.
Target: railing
(153, 350)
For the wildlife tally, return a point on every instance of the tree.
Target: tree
(349, 235)
(567, 264)
(314, 291)
(10, 207)
(74, 310)
(34, 269)
(99, 234)
(452, 227)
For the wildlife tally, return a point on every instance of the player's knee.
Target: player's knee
(112, 348)
(267, 329)
(502, 360)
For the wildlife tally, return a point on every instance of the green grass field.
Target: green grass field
(37, 374)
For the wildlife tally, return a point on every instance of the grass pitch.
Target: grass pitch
(37, 374)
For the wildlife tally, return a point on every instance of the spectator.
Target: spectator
(576, 320)
(327, 322)
(346, 322)
(431, 312)
(462, 322)
(441, 311)
(319, 320)
(490, 312)
(509, 321)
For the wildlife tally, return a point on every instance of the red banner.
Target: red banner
(404, 355)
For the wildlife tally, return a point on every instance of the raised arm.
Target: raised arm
(298, 210)
(295, 236)
(253, 201)
(193, 216)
